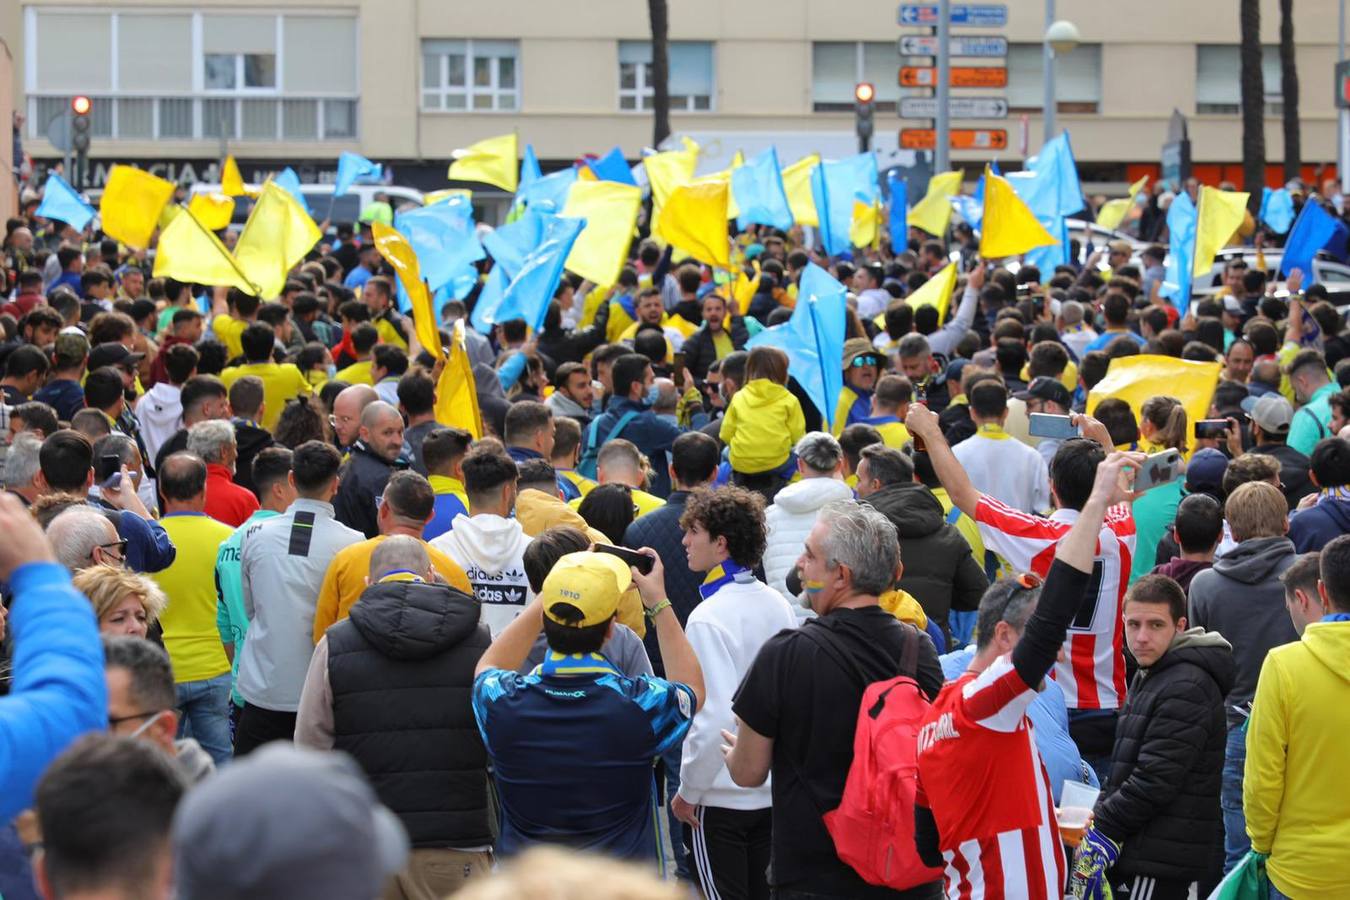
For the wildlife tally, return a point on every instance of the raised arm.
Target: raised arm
(922, 422)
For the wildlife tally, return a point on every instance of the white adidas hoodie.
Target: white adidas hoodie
(491, 551)
(160, 413)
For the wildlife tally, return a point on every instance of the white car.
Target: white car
(346, 208)
(1331, 273)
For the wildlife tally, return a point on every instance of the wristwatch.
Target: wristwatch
(663, 604)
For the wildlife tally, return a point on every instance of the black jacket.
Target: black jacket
(940, 571)
(1161, 800)
(700, 352)
(401, 671)
(362, 479)
(1294, 468)
(559, 346)
(251, 440)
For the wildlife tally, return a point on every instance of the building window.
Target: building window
(837, 68)
(1218, 79)
(690, 82)
(478, 76)
(1078, 79)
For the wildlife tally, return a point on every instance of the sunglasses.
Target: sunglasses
(862, 361)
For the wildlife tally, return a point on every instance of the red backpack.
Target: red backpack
(873, 827)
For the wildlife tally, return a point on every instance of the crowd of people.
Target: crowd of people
(272, 629)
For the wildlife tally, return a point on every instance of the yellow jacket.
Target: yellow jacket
(904, 607)
(1296, 792)
(763, 423)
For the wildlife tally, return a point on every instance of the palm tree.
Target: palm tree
(659, 14)
(1289, 88)
(1253, 103)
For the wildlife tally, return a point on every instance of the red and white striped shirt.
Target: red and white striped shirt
(1093, 674)
(981, 775)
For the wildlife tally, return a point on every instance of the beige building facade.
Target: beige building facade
(407, 81)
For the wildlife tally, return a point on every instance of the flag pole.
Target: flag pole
(820, 357)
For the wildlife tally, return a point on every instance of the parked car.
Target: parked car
(346, 208)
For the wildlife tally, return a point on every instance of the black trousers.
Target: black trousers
(729, 852)
(1146, 887)
(258, 726)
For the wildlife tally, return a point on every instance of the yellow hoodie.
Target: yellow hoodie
(762, 425)
(1296, 785)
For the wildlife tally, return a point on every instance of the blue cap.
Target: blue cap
(1204, 475)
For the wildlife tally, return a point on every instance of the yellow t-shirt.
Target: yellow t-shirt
(722, 344)
(357, 373)
(190, 633)
(345, 581)
(281, 382)
(230, 330)
(389, 334)
(894, 434)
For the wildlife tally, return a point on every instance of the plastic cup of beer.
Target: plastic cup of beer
(1074, 813)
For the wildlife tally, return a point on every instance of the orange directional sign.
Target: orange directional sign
(961, 138)
(962, 76)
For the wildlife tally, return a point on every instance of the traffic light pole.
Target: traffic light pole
(942, 152)
(70, 136)
(1342, 114)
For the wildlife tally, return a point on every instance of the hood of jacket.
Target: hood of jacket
(1177, 568)
(1252, 562)
(491, 541)
(810, 494)
(537, 512)
(911, 507)
(563, 405)
(1329, 643)
(161, 409)
(413, 619)
(762, 392)
(249, 438)
(1339, 513)
(1206, 649)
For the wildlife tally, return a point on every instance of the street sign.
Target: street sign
(961, 76)
(968, 15)
(979, 45)
(959, 108)
(961, 139)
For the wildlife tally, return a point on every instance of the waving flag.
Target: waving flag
(797, 185)
(131, 205)
(610, 210)
(612, 167)
(936, 291)
(1277, 209)
(813, 338)
(761, 199)
(352, 166)
(446, 242)
(214, 210)
(899, 227)
(1315, 229)
(277, 235)
(491, 161)
(529, 292)
(1050, 188)
(1010, 228)
(61, 201)
(1219, 216)
(694, 219)
(835, 185)
(231, 182)
(1113, 212)
(1181, 245)
(188, 251)
(290, 182)
(934, 211)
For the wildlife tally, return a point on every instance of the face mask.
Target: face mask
(332, 371)
(653, 392)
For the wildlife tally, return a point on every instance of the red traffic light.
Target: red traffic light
(81, 105)
(864, 92)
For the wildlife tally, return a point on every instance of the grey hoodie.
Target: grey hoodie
(1243, 600)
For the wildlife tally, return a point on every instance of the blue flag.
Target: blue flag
(549, 193)
(835, 185)
(757, 187)
(529, 169)
(1050, 188)
(899, 215)
(508, 246)
(528, 294)
(813, 339)
(290, 182)
(1181, 221)
(1314, 230)
(1277, 209)
(60, 201)
(352, 166)
(612, 167)
(446, 243)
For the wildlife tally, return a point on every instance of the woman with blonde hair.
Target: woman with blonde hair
(125, 602)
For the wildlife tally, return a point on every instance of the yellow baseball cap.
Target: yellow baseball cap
(587, 582)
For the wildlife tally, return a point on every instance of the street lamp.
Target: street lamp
(1060, 37)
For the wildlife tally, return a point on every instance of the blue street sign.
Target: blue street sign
(971, 15)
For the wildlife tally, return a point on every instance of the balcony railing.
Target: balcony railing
(205, 117)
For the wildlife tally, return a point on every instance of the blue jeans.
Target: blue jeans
(1276, 894)
(1235, 840)
(204, 710)
(672, 762)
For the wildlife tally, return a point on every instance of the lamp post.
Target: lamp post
(1060, 37)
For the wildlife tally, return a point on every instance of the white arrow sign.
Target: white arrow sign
(983, 46)
(970, 15)
(958, 108)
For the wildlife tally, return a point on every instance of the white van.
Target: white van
(346, 208)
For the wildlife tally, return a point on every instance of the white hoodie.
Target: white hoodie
(790, 519)
(491, 551)
(160, 413)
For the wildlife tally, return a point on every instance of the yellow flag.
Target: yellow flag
(1009, 227)
(1113, 212)
(936, 291)
(667, 171)
(188, 251)
(610, 210)
(724, 177)
(396, 251)
(797, 185)
(456, 391)
(865, 225)
(131, 204)
(934, 211)
(437, 196)
(214, 210)
(1217, 217)
(1135, 379)
(743, 287)
(231, 182)
(694, 220)
(492, 161)
(277, 235)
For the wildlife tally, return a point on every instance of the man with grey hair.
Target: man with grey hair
(142, 702)
(213, 440)
(21, 464)
(82, 537)
(797, 709)
(1075, 333)
(376, 454)
(794, 508)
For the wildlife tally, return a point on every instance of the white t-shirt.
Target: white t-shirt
(1006, 469)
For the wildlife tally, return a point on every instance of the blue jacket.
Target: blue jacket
(149, 547)
(652, 435)
(64, 396)
(444, 510)
(58, 692)
(1312, 528)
